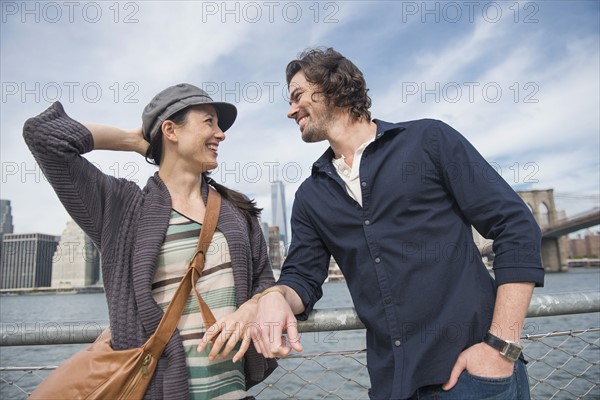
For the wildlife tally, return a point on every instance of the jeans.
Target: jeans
(471, 387)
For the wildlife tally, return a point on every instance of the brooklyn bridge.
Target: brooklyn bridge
(554, 226)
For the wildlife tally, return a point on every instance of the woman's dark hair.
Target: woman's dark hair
(246, 206)
(154, 153)
(336, 77)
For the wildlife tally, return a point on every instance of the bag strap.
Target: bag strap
(196, 265)
(158, 341)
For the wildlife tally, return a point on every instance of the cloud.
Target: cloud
(109, 69)
(539, 114)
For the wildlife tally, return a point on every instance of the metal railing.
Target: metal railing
(562, 365)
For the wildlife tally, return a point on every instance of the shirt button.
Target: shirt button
(367, 222)
(397, 343)
(377, 260)
(388, 300)
(363, 184)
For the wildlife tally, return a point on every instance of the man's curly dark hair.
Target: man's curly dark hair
(337, 78)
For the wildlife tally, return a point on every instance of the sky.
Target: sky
(520, 80)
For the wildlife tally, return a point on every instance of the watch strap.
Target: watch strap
(494, 341)
(509, 350)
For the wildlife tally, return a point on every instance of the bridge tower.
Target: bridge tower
(554, 250)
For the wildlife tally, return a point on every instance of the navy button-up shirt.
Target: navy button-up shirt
(414, 273)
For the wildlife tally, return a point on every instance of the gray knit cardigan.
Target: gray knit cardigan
(128, 225)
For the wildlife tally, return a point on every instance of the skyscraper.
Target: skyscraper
(76, 260)
(6, 225)
(279, 211)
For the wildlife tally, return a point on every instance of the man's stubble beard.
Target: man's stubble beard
(318, 126)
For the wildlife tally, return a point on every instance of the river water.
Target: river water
(58, 309)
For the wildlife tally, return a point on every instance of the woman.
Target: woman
(147, 236)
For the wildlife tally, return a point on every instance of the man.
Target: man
(394, 205)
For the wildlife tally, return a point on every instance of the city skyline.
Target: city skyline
(35, 259)
(71, 260)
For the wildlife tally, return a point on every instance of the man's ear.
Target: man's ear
(168, 130)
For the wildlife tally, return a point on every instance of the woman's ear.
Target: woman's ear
(168, 130)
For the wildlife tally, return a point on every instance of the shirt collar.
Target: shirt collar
(383, 128)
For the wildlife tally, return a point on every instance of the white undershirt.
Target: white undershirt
(350, 176)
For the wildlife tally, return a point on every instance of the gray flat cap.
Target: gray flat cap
(176, 98)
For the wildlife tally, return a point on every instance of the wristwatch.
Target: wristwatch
(507, 348)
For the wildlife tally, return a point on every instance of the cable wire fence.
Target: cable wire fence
(561, 365)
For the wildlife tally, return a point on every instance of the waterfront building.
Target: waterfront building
(27, 260)
(76, 260)
(587, 246)
(276, 247)
(278, 209)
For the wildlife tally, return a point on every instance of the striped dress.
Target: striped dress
(219, 379)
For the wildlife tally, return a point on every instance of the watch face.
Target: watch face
(512, 352)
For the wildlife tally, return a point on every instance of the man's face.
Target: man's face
(310, 112)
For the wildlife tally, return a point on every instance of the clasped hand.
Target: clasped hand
(260, 321)
(227, 331)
